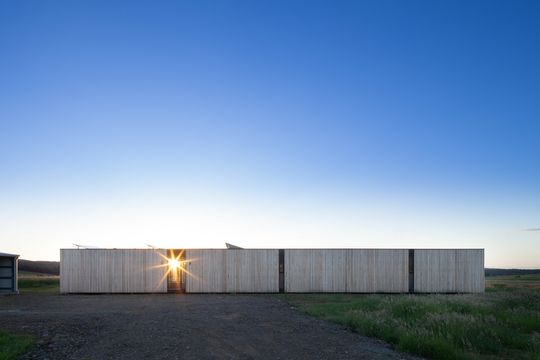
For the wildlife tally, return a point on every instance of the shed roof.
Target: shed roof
(8, 255)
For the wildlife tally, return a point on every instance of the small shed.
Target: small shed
(8, 273)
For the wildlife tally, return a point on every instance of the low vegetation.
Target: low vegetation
(13, 346)
(39, 284)
(530, 281)
(502, 323)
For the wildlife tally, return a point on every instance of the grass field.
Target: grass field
(531, 281)
(38, 284)
(26, 274)
(502, 323)
(13, 346)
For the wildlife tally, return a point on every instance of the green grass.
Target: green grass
(33, 274)
(13, 346)
(531, 281)
(41, 284)
(526, 277)
(502, 323)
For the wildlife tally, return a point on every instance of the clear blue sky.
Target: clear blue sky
(295, 124)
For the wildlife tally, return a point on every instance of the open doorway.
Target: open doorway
(176, 278)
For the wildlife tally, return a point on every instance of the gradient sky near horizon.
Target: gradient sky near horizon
(271, 124)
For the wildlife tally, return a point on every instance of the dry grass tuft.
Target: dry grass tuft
(502, 323)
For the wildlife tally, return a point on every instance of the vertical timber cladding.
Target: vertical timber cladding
(347, 270)
(232, 270)
(113, 271)
(449, 270)
(411, 270)
(254, 270)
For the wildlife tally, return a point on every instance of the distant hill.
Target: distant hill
(53, 268)
(42, 267)
(495, 272)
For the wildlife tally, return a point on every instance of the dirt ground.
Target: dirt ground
(179, 327)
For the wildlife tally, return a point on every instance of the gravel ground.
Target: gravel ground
(179, 327)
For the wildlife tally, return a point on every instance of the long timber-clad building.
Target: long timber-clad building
(272, 270)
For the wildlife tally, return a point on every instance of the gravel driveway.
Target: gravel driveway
(179, 327)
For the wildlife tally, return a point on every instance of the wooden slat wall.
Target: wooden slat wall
(378, 270)
(112, 271)
(254, 270)
(346, 270)
(449, 270)
(205, 271)
(226, 271)
(310, 270)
